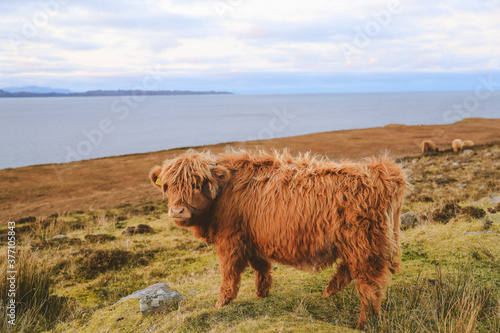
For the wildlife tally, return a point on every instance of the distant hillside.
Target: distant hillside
(36, 90)
(4, 93)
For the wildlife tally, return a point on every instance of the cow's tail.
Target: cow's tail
(394, 179)
(393, 219)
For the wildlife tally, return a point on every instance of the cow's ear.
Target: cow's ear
(221, 176)
(154, 176)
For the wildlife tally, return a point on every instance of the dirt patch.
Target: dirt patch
(494, 210)
(101, 238)
(28, 219)
(486, 224)
(446, 213)
(100, 261)
(474, 212)
(139, 229)
(38, 245)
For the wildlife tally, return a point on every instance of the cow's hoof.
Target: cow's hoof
(328, 293)
(222, 302)
(361, 326)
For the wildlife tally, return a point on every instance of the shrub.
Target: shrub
(474, 212)
(36, 309)
(101, 238)
(101, 261)
(450, 302)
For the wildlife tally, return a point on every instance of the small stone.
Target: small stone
(481, 187)
(460, 185)
(62, 240)
(60, 236)
(468, 153)
(487, 154)
(479, 232)
(494, 200)
(455, 164)
(192, 292)
(155, 297)
(408, 220)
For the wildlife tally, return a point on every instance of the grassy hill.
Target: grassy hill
(449, 283)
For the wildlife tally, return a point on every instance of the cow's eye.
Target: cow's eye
(196, 187)
(165, 187)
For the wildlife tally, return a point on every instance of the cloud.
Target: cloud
(84, 39)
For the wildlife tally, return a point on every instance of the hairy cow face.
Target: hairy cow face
(191, 183)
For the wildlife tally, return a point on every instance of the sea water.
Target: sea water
(63, 129)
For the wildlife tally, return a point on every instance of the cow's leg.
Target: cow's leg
(232, 263)
(339, 280)
(370, 286)
(263, 278)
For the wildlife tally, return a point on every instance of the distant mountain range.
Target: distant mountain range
(34, 91)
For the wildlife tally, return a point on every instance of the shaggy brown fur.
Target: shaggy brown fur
(300, 211)
(468, 143)
(457, 145)
(429, 147)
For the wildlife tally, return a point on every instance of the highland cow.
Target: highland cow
(468, 143)
(429, 147)
(303, 211)
(457, 145)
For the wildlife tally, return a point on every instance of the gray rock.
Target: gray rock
(480, 232)
(481, 187)
(487, 154)
(57, 237)
(494, 200)
(455, 164)
(408, 220)
(155, 297)
(468, 153)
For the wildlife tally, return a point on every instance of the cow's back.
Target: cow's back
(301, 216)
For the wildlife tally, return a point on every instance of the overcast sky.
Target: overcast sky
(250, 46)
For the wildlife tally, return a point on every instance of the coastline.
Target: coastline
(42, 190)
